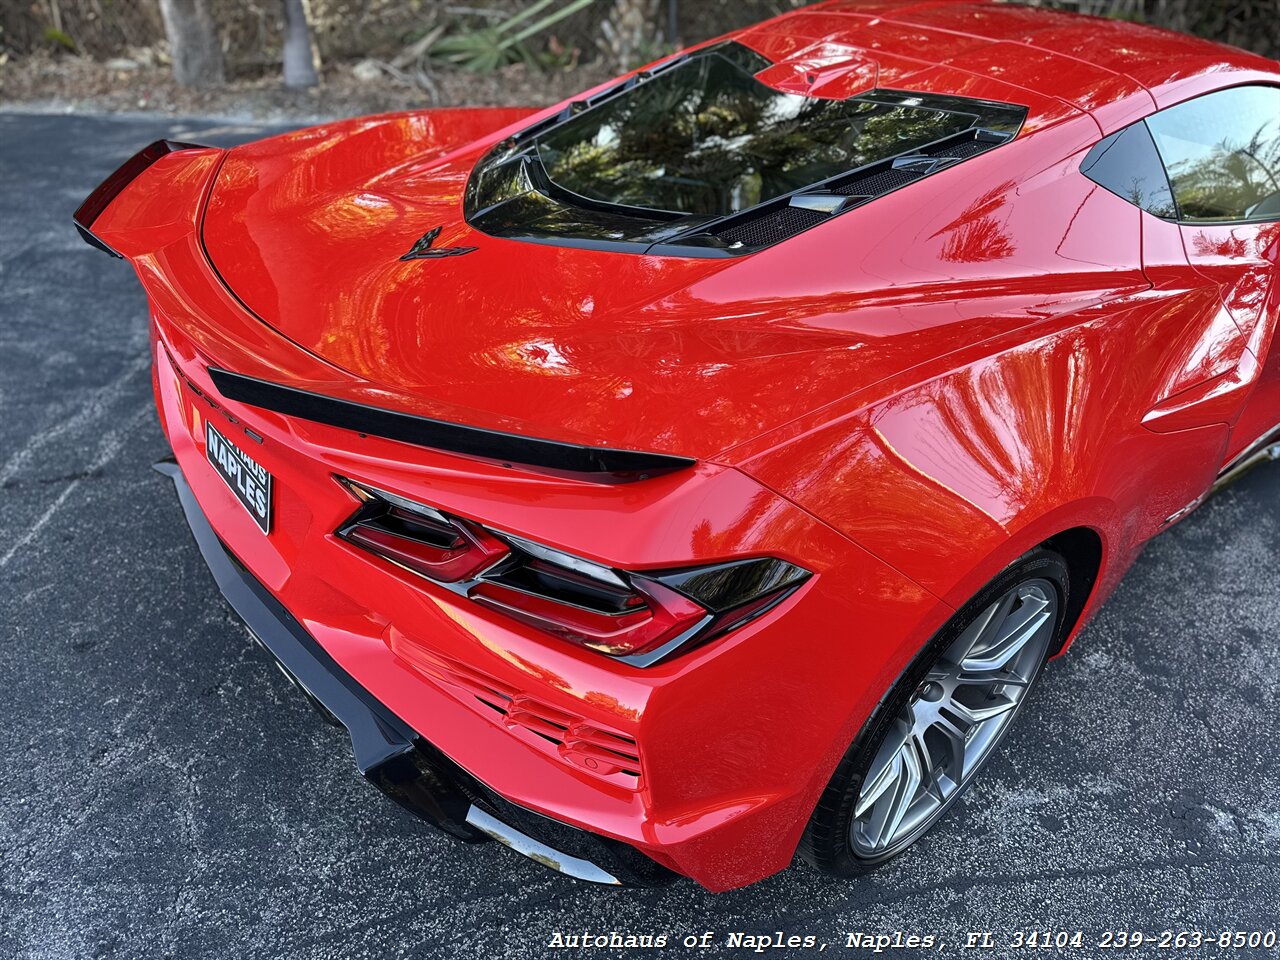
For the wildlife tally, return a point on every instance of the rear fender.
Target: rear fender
(952, 479)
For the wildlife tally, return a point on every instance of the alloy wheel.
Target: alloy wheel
(952, 722)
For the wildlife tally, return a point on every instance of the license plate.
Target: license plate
(248, 479)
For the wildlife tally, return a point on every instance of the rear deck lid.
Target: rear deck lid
(353, 242)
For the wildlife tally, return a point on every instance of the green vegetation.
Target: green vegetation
(489, 48)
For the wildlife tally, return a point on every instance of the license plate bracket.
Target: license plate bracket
(248, 479)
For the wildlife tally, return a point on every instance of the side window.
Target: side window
(1222, 153)
(1126, 163)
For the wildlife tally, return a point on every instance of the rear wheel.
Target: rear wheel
(942, 720)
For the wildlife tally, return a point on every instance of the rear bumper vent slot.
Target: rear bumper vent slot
(587, 746)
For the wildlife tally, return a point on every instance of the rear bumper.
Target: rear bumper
(389, 753)
(733, 741)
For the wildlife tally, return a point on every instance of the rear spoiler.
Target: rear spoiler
(598, 464)
(110, 188)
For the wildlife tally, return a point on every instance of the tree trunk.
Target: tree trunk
(301, 60)
(193, 43)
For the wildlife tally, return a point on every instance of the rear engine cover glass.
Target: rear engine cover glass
(698, 157)
(708, 138)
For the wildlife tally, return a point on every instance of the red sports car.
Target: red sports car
(702, 470)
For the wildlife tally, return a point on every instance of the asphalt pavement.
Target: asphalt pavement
(165, 792)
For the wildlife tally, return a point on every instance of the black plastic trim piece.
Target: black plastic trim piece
(102, 195)
(377, 735)
(93, 240)
(598, 464)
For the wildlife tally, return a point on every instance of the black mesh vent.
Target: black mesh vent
(877, 183)
(963, 151)
(783, 222)
(771, 227)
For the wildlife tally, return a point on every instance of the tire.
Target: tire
(940, 719)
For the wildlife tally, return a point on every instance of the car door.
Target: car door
(1221, 152)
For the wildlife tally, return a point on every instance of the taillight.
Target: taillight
(419, 538)
(646, 622)
(637, 617)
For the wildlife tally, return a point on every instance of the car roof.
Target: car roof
(1058, 64)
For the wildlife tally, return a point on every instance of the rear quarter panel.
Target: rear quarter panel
(1034, 426)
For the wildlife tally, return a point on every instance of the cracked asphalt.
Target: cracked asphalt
(165, 793)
